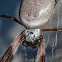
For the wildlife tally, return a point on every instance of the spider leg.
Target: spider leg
(14, 19)
(6, 53)
(56, 1)
(40, 53)
(12, 49)
(56, 29)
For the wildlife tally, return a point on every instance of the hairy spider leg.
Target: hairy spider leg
(40, 53)
(14, 19)
(12, 49)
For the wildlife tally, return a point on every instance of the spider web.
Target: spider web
(52, 45)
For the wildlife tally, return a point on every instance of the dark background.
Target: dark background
(9, 30)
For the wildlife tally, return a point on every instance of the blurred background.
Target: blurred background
(9, 30)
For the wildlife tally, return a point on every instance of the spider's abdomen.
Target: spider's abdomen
(36, 13)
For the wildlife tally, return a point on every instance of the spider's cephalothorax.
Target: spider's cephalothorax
(32, 37)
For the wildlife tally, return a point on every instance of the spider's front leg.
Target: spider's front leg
(12, 49)
(40, 53)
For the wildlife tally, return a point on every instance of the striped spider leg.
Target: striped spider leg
(40, 53)
(12, 49)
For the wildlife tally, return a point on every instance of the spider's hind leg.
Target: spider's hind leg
(12, 18)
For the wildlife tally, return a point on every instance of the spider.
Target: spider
(33, 15)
